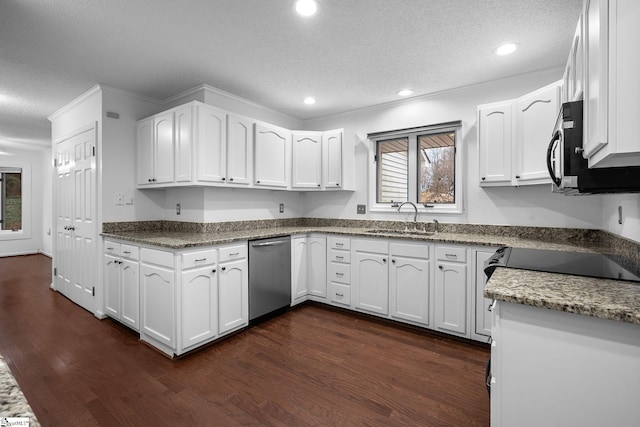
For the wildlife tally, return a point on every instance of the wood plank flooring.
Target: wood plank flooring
(311, 366)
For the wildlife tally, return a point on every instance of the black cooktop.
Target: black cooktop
(606, 266)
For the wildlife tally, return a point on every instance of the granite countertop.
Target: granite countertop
(607, 299)
(13, 404)
(182, 240)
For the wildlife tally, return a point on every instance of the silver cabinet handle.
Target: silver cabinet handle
(235, 254)
(127, 252)
(492, 305)
(339, 257)
(200, 260)
(451, 255)
(339, 244)
(339, 295)
(278, 242)
(339, 274)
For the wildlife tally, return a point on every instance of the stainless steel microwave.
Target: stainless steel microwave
(569, 170)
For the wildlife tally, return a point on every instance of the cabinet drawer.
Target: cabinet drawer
(451, 253)
(340, 256)
(199, 258)
(130, 252)
(111, 248)
(414, 250)
(230, 253)
(339, 243)
(340, 293)
(340, 273)
(153, 256)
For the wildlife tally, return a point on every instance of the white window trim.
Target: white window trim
(456, 208)
(25, 232)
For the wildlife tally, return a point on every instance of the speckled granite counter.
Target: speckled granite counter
(606, 299)
(12, 402)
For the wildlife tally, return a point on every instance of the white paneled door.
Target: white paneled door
(75, 221)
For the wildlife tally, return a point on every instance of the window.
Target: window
(10, 199)
(419, 165)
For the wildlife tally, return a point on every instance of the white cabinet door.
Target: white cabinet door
(451, 297)
(409, 286)
(299, 269)
(370, 275)
(332, 159)
(536, 115)
(307, 159)
(184, 144)
(144, 129)
(111, 286)
(158, 304)
(495, 136)
(272, 156)
(233, 297)
(130, 290)
(199, 321)
(573, 80)
(239, 149)
(317, 266)
(483, 315)
(163, 143)
(211, 144)
(596, 90)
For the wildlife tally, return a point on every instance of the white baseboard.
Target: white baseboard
(18, 253)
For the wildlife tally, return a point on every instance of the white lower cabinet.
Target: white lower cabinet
(451, 290)
(370, 275)
(409, 281)
(199, 299)
(158, 295)
(122, 283)
(308, 268)
(339, 271)
(233, 288)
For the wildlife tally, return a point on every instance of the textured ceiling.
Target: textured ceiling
(353, 54)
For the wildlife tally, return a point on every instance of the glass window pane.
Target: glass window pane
(11, 203)
(436, 156)
(393, 170)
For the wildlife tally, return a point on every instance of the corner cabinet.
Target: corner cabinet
(308, 268)
(513, 137)
(317, 160)
(611, 82)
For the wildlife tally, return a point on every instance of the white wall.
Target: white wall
(630, 227)
(29, 239)
(118, 158)
(527, 206)
(46, 214)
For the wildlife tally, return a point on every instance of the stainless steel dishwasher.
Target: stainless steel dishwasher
(269, 276)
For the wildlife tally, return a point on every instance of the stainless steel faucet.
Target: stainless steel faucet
(436, 223)
(415, 216)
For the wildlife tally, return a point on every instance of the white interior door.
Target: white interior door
(76, 229)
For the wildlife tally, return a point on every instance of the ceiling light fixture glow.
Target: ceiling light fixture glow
(506, 49)
(404, 92)
(306, 8)
(309, 100)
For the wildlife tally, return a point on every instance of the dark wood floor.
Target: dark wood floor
(310, 366)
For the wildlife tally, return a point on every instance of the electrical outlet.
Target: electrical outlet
(177, 208)
(119, 199)
(281, 207)
(362, 209)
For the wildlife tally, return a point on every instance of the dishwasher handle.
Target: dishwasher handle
(276, 243)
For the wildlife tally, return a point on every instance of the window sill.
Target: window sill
(13, 235)
(453, 210)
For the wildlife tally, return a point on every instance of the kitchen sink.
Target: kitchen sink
(405, 232)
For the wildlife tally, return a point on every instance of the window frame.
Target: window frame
(413, 165)
(25, 231)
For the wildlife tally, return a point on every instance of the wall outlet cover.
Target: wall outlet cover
(362, 209)
(281, 207)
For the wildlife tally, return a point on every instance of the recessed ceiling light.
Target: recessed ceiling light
(309, 100)
(506, 49)
(306, 7)
(404, 92)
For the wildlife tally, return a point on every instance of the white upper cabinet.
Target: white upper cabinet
(536, 115)
(513, 137)
(612, 85)
(272, 150)
(307, 159)
(333, 159)
(239, 149)
(495, 133)
(144, 131)
(155, 150)
(184, 144)
(573, 78)
(211, 144)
